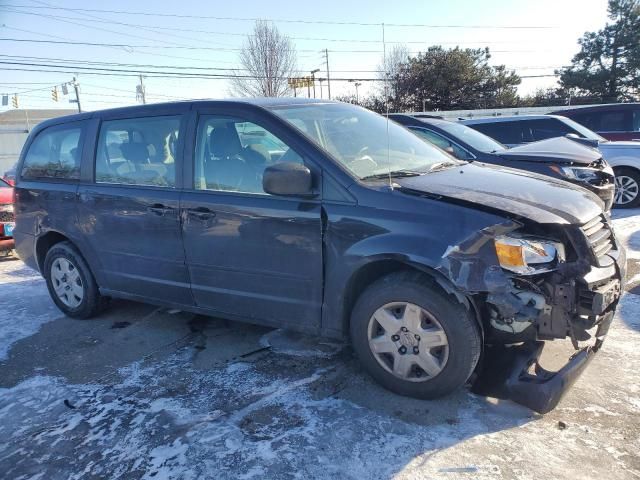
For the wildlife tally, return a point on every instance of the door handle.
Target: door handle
(158, 208)
(203, 213)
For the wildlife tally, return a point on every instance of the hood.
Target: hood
(553, 150)
(536, 197)
(6, 195)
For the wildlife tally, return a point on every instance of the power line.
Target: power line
(154, 28)
(280, 20)
(151, 74)
(220, 49)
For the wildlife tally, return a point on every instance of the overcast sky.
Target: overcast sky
(548, 41)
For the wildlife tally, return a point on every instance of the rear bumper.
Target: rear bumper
(7, 244)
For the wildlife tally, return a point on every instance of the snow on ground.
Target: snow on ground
(23, 307)
(146, 393)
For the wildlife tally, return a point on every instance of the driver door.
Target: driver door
(250, 254)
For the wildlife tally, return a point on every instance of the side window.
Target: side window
(636, 121)
(138, 151)
(232, 154)
(615, 121)
(442, 142)
(509, 133)
(547, 128)
(591, 120)
(55, 153)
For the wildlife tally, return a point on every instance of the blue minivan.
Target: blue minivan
(324, 218)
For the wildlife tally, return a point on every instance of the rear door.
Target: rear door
(250, 254)
(129, 211)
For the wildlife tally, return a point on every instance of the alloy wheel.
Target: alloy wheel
(626, 190)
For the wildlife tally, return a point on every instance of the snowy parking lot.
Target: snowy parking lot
(144, 392)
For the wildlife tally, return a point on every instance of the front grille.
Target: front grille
(600, 238)
(7, 217)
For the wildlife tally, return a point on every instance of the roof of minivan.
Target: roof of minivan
(258, 101)
(475, 121)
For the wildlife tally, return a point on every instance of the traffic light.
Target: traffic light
(54, 94)
(14, 101)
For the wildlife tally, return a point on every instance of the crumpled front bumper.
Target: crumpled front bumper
(514, 372)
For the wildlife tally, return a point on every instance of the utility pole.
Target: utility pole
(141, 93)
(321, 80)
(76, 88)
(326, 57)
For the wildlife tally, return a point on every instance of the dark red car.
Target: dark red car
(7, 219)
(615, 121)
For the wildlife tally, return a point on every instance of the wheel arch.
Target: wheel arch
(45, 242)
(375, 269)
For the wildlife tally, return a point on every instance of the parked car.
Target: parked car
(10, 176)
(624, 157)
(6, 218)
(558, 157)
(614, 121)
(358, 230)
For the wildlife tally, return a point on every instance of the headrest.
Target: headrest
(135, 152)
(224, 141)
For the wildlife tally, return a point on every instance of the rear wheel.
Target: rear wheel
(627, 188)
(413, 338)
(71, 283)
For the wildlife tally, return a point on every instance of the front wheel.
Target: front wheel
(413, 338)
(71, 283)
(627, 188)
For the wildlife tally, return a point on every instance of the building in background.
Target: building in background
(15, 126)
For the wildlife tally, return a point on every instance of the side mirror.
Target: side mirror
(287, 178)
(449, 150)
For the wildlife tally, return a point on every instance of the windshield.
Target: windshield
(582, 130)
(471, 137)
(3, 183)
(357, 138)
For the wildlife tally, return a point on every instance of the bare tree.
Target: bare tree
(268, 58)
(390, 67)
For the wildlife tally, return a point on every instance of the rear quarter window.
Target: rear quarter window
(54, 154)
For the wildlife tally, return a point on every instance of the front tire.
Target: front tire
(413, 338)
(71, 283)
(627, 188)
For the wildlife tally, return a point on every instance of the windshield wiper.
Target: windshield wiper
(392, 173)
(441, 165)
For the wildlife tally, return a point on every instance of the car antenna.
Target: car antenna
(386, 94)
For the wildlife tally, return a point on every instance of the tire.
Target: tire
(73, 289)
(627, 188)
(437, 313)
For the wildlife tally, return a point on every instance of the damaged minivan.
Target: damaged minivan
(325, 218)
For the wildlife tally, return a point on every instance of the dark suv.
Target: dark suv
(614, 121)
(324, 218)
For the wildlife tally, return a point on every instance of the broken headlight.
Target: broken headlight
(581, 174)
(528, 256)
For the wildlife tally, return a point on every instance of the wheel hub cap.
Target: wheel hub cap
(408, 341)
(626, 190)
(66, 282)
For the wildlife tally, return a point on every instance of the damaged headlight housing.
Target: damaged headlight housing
(528, 256)
(581, 174)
